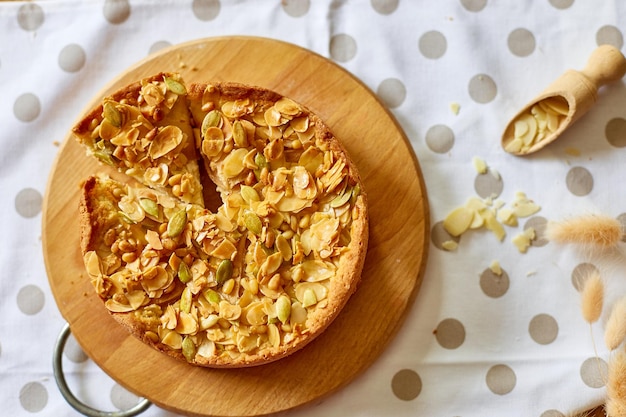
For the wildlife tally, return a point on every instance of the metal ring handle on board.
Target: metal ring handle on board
(71, 399)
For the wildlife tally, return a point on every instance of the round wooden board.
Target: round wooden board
(398, 245)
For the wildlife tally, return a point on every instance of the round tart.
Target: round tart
(254, 279)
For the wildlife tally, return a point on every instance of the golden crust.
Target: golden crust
(100, 211)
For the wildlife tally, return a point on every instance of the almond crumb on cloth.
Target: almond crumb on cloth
(455, 108)
(495, 267)
(522, 240)
(491, 215)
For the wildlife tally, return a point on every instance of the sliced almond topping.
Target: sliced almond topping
(165, 141)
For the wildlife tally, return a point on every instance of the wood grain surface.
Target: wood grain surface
(397, 253)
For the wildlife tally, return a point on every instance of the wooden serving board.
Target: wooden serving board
(398, 245)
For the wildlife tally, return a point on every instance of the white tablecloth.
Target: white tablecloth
(452, 72)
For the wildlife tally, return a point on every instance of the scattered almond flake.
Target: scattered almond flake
(475, 203)
(56, 143)
(522, 240)
(523, 206)
(572, 151)
(495, 267)
(477, 221)
(531, 273)
(450, 245)
(455, 107)
(458, 220)
(507, 216)
(491, 223)
(498, 204)
(491, 213)
(495, 173)
(479, 165)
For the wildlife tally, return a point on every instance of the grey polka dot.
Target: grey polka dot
(73, 351)
(392, 92)
(439, 235)
(206, 10)
(433, 44)
(157, 46)
(494, 285)
(543, 329)
(521, 42)
(33, 397)
(488, 185)
(539, 224)
(116, 11)
(552, 413)
(296, 8)
(501, 379)
(610, 35)
(385, 6)
(615, 132)
(406, 384)
(474, 5)
(561, 4)
(579, 181)
(482, 88)
(450, 333)
(580, 274)
(30, 299)
(122, 398)
(30, 16)
(593, 372)
(28, 202)
(342, 47)
(72, 58)
(440, 138)
(27, 107)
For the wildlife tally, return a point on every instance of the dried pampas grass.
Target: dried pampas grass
(600, 235)
(593, 230)
(615, 331)
(616, 386)
(592, 297)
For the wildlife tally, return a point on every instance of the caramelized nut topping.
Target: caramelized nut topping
(249, 278)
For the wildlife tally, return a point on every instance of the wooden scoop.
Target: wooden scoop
(562, 103)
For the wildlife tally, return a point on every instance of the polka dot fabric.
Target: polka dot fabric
(453, 73)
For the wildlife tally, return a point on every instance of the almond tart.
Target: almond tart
(247, 283)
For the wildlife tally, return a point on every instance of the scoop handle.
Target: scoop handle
(606, 64)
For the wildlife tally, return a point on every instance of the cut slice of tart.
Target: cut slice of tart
(144, 131)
